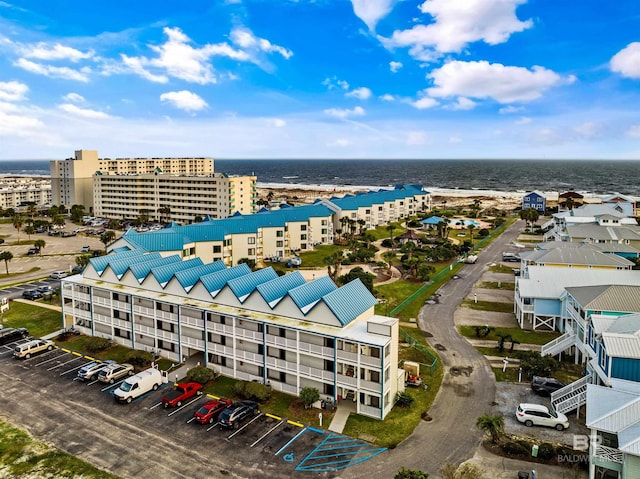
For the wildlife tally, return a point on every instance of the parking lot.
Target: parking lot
(86, 416)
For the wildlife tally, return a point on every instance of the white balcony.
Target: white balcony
(197, 323)
(121, 305)
(347, 381)
(370, 411)
(610, 454)
(347, 356)
(126, 325)
(290, 344)
(102, 318)
(281, 364)
(315, 350)
(248, 356)
(248, 334)
(316, 373)
(370, 385)
(370, 361)
(220, 349)
(225, 329)
(81, 296)
(81, 313)
(285, 388)
(192, 342)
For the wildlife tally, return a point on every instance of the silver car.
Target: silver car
(114, 372)
(89, 372)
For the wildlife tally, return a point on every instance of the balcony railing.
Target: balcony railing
(220, 349)
(315, 349)
(346, 355)
(316, 373)
(609, 454)
(281, 364)
(290, 344)
(248, 356)
(192, 342)
(370, 385)
(347, 380)
(371, 411)
(248, 334)
(225, 329)
(81, 296)
(194, 322)
(370, 361)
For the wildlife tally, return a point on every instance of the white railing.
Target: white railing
(101, 318)
(144, 310)
(220, 328)
(609, 454)
(285, 388)
(316, 373)
(571, 396)
(161, 334)
(81, 296)
(346, 355)
(281, 364)
(315, 349)
(370, 411)
(370, 385)
(81, 313)
(347, 380)
(558, 345)
(100, 300)
(219, 349)
(167, 316)
(248, 334)
(290, 344)
(121, 305)
(193, 322)
(122, 324)
(248, 356)
(192, 342)
(370, 361)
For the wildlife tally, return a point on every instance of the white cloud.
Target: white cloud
(13, 91)
(362, 93)
(633, 131)
(83, 112)
(332, 83)
(372, 11)
(345, 113)
(74, 98)
(424, 103)
(134, 64)
(588, 129)
(53, 72)
(245, 38)
(504, 84)
(457, 23)
(455, 139)
(340, 142)
(184, 100)
(524, 120)
(42, 51)
(510, 109)
(417, 138)
(395, 66)
(387, 97)
(277, 122)
(627, 61)
(462, 103)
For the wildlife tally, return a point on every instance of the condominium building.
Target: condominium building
(18, 191)
(163, 189)
(255, 326)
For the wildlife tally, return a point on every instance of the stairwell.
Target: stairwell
(572, 396)
(559, 344)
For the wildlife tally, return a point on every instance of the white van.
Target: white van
(137, 385)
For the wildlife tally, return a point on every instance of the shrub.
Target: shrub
(308, 396)
(200, 374)
(546, 451)
(96, 344)
(513, 448)
(404, 399)
(252, 390)
(139, 358)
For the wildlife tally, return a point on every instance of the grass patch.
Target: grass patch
(39, 321)
(500, 268)
(400, 422)
(22, 456)
(315, 259)
(11, 275)
(495, 306)
(497, 285)
(522, 335)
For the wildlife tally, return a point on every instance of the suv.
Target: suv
(545, 386)
(9, 335)
(89, 372)
(539, 415)
(232, 416)
(35, 346)
(32, 294)
(113, 372)
(58, 274)
(45, 289)
(33, 250)
(85, 249)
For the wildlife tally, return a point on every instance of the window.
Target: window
(279, 234)
(217, 249)
(279, 244)
(251, 251)
(303, 227)
(303, 237)
(251, 240)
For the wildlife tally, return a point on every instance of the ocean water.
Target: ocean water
(595, 177)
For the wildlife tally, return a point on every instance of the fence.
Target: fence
(407, 338)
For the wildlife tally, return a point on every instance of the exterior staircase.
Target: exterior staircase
(572, 396)
(559, 344)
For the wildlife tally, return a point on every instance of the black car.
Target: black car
(545, 386)
(9, 335)
(1, 240)
(232, 416)
(32, 294)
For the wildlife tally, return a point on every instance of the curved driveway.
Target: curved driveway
(468, 388)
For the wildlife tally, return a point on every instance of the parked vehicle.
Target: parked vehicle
(9, 335)
(89, 372)
(539, 415)
(31, 348)
(32, 294)
(1, 240)
(137, 385)
(68, 234)
(510, 257)
(76, 269)
(58, 274)
(232, 416)
(545, 386)
(115, 372)
(181, 393)
(45, 289)
(211, 410)
(33, 251)
(85, 249)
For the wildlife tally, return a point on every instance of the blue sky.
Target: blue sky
(321, 79)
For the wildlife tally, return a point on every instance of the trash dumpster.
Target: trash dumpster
(534, 450)
(523, 475)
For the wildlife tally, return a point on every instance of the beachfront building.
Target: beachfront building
(570, 200)
(613, 417)
(165, 197)
(535, 200)
(255, 326)
(623, 203)
(16, 191)
(595, 223)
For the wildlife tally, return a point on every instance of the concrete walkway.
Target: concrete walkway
(181, 371)
(339, 420)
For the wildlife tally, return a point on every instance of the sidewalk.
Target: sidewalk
(339, 420)
(181, 371)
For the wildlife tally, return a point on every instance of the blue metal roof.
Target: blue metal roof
(165, 239)
(188, 277)
(120, 266)
(433, 220)
(214, 282)
(164, 273)
(244, 285)
(141, 270)
(349, 301)
(101, 262)
(273, 291)
(310, 293)
(121, 249)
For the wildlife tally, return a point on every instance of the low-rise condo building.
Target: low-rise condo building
(16, 191)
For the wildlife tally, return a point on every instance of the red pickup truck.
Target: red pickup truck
(181, 392)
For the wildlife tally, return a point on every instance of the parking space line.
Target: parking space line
(267, 433)
(76, 353)
(71, 370)
(62, 364)
(183, 406)
(293, 439)
(212, 426)
(293, 423)
(156, 405)
(49, 360)
(191, 420)
(272, 416)
(245, 426)
(113, 386)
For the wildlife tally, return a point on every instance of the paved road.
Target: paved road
(468, 388)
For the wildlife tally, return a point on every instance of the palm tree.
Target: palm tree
(6, 256)
(471, 227)
(493, 425)
(361, 223)
(29, 229)
(333, 263)
(18, 221)
(389, 256)
(107, 237)
(390, 229)
(40, 244)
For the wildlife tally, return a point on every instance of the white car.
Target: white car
(58, 274)
(539, 415)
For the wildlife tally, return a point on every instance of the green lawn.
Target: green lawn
(497, 285)
(39, 321)
(495, 306)
(522, 335)
(22, 456)
(500, 268)
(315, 259)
